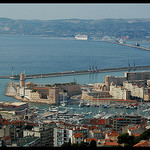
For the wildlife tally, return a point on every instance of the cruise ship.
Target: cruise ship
(81, 37)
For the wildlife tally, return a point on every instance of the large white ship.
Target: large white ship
(81, 37)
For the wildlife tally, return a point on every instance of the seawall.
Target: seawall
(65, 73)
(86, 72)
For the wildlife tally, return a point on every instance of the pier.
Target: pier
(45, 75)
(134, 46)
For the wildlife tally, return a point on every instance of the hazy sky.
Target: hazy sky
(48, 11)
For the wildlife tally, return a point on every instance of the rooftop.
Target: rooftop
(78, 135)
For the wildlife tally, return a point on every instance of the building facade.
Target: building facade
(119, 92)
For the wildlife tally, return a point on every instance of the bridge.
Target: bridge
(92, 71)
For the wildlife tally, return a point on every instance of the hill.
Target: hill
(134, 28)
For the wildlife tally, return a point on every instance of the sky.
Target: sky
(52, 11)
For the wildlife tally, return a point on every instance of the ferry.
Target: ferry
(81, 37)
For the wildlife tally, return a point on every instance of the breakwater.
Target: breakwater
(86, 72)
(45, 75)
(134, 46)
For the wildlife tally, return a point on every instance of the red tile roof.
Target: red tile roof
(6, 138)
(90, 139)
(101, 121)
(142, 144)
(111, 144)
(78, 135)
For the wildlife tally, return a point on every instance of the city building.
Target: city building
(120, 121)
(49, 95)
(119, 92)
(115, 79)
(77, 138)
(44, 131)
(144, 75)
(27, 141)
(61, 136)
(137, 90)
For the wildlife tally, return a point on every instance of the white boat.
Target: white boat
(81, 104)
(63, 112)
(99, 115)
(88, 105)
(63, 104)
(81, 37)
(53, 109)
(146, 110)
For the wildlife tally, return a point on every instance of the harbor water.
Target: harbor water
(43, 55)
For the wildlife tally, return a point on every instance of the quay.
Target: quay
(44, 75)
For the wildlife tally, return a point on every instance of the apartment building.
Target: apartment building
(137, 90)
(120, 121)
(44, 131)
(119, 92)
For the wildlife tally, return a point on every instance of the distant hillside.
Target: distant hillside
(134, 28)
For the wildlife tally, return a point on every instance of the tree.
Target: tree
(144, 136)
(126, 139)
(93, 144)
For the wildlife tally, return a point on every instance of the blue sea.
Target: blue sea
(45, 55)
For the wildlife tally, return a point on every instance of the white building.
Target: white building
(119, 92)
(61, 136)
(136, 90)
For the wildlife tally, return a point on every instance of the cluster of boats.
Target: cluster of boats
(73, 115)
(128, 106)
(55, 113)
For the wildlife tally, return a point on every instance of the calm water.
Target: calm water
(37, 55)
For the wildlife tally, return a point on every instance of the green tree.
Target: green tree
(92, 144)
(126, 139)
(144, 136)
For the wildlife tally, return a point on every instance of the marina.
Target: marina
(75, 113)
